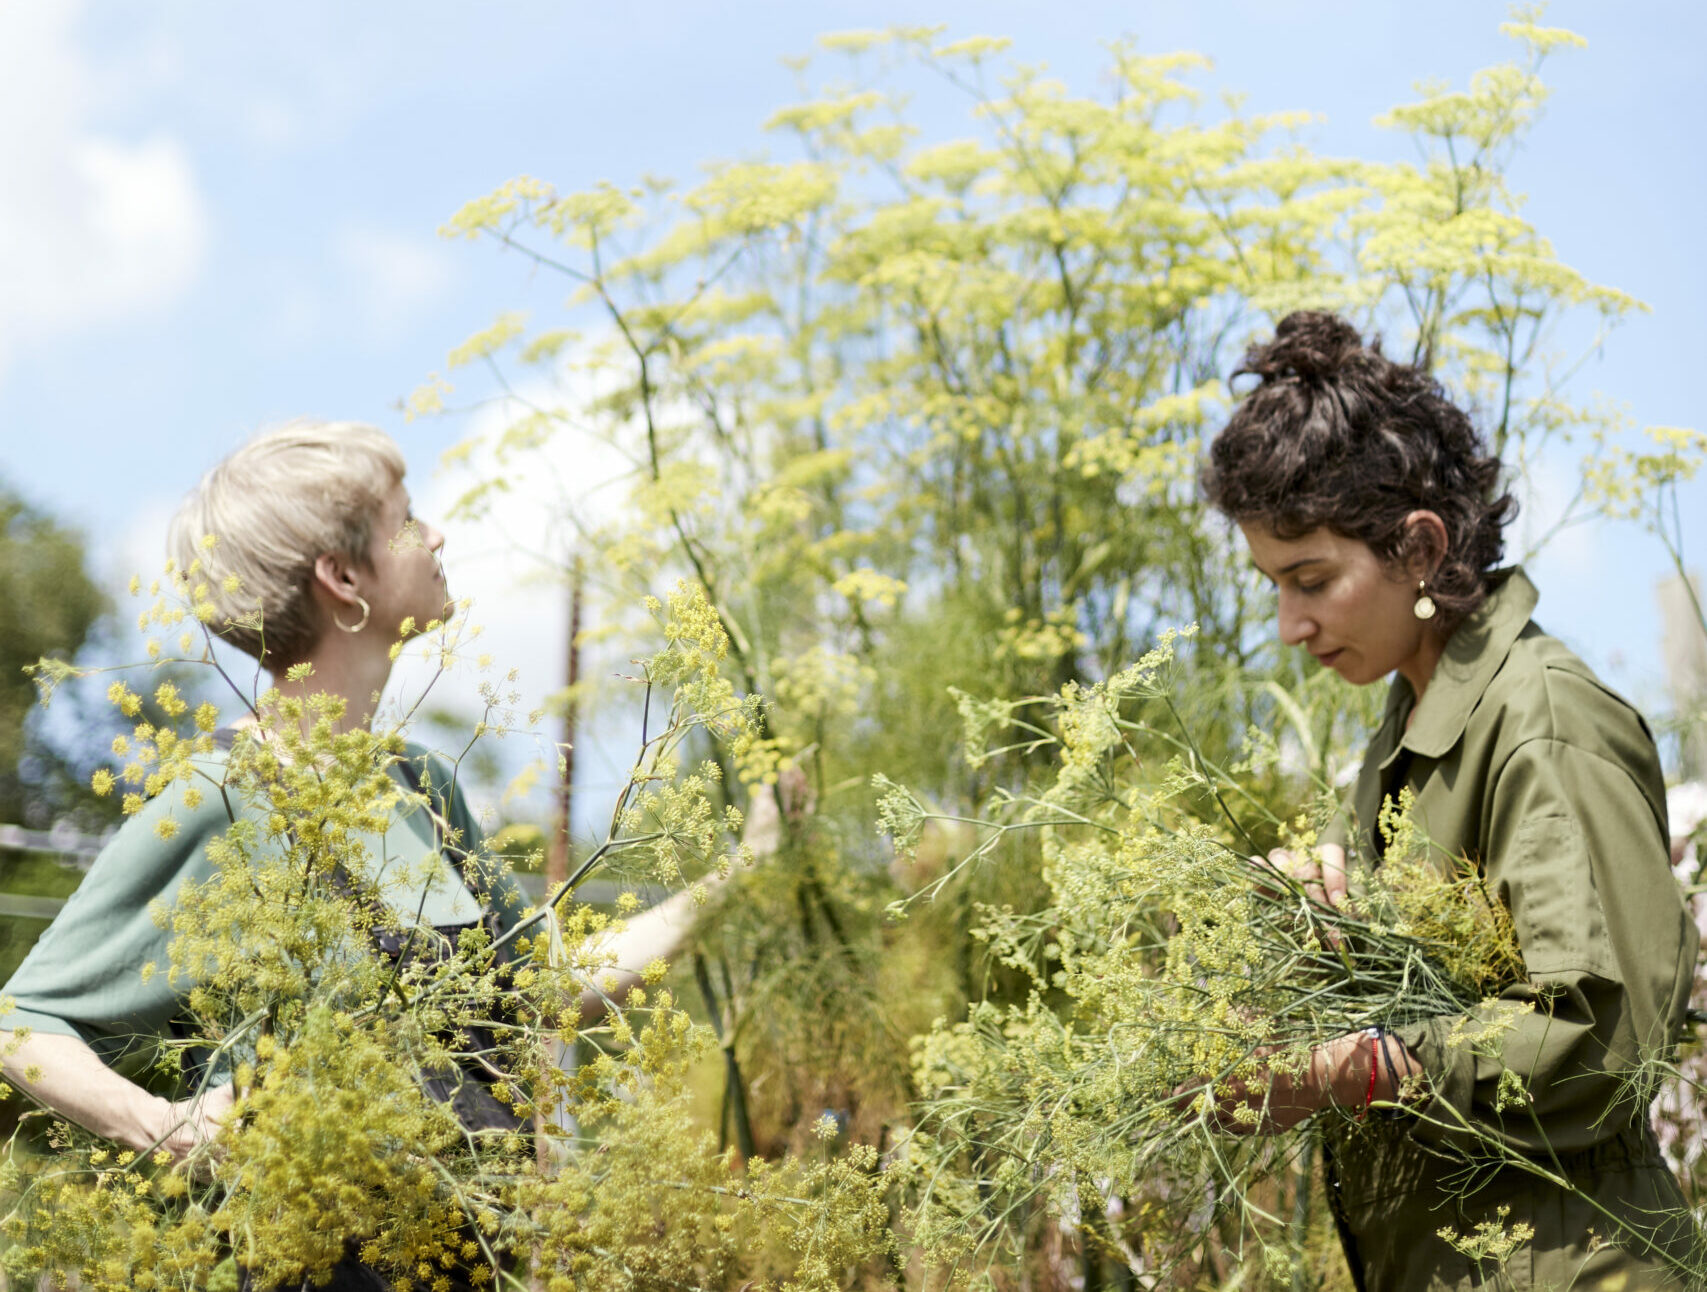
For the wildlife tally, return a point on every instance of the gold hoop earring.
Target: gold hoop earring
(1424, 607)
(368, 610)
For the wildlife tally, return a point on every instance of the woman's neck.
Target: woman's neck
(346, 667)
(1419, 668)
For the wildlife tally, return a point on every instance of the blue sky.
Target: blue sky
(216, 217)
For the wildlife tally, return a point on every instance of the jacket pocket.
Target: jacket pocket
(1555, 904)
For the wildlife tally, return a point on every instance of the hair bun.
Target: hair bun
(1308, 344)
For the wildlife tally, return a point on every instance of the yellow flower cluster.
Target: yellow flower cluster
(1627, 484)
(1172, 976)
(338, 1098)
(697, 643)
(865, 585)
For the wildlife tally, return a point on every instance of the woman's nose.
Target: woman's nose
(1296, 627)
(432, 536)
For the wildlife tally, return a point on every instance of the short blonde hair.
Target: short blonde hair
(275, 506)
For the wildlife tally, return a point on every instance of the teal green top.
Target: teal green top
(84, 976)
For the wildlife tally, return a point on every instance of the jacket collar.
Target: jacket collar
(1473, 655)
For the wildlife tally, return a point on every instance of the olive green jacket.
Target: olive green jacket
(1523, 763)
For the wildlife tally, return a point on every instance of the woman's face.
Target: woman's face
(408, 581)
(1343, 605)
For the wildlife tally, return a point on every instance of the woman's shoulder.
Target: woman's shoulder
(425, 757)
(427, 771)
(1545, 691)
(164, 841)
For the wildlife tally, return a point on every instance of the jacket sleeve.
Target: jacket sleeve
(1576, 852)
(89, 973)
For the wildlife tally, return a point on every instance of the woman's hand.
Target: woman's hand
(64, 1074)
(1321, 870)
(192, 1123)
(762, 831)
(657, 933)
(1350, 1071)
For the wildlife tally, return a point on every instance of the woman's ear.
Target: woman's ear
(1425, 543)
(334, 579)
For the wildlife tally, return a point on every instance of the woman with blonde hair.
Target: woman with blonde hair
(318, 566)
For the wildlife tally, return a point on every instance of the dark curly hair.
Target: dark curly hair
(1336, 434)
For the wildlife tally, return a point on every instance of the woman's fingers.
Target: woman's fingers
(1331, 867)
(214, 1106)
(1341, 1071)
(1321, 871)
(1297, 865)
(1284, 863)
(1302, 867)
(795, 790)
(763, 829)
(196, 1121)
(1263, 1105)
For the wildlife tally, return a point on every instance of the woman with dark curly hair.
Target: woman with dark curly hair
(1369, 501)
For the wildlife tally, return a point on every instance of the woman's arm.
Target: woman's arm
(1577, 854)
(1351, 1072)
(656, 933)
(85, 978)
(64, 1074)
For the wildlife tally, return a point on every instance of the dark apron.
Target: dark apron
(466, 1088)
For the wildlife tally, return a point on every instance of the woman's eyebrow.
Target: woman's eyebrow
(1287, 569)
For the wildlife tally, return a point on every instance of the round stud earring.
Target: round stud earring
(1424, 607)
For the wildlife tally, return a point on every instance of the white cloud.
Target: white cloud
(392, 276)
(93, 228)
(512, 562)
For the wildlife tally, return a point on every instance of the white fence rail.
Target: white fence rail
(73, 846)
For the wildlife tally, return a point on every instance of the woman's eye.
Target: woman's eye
(1309, 587)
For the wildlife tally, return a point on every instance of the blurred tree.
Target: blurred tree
(51, 606)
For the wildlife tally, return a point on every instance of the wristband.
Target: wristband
(1392, 1068)
(1374, 1035)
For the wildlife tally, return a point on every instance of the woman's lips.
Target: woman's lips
(1327, 658)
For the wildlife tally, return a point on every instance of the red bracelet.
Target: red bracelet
(1374, 1035)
